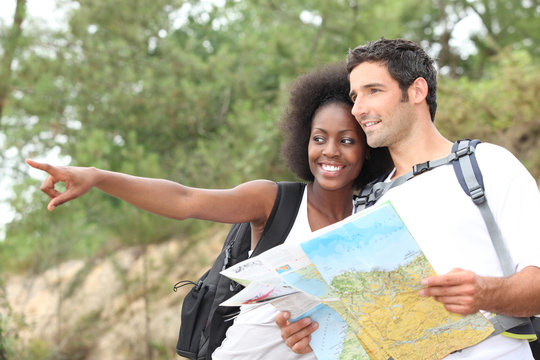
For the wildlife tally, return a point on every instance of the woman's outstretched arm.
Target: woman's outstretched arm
(248, 202)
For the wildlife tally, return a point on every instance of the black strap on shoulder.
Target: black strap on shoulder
(278, 225)
(282, 217)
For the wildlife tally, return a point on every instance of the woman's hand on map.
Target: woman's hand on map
(296, 335)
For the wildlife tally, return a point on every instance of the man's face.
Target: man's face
(378, 105)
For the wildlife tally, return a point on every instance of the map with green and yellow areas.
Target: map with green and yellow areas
(367, 271)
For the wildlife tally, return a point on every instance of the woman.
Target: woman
(323, 145)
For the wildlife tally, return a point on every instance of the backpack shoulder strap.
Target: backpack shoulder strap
(282, 217)
(467, 171)
(470, 178)
(370, 193)
(376, 189)
(280, 221)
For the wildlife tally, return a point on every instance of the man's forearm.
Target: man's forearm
(516, 295)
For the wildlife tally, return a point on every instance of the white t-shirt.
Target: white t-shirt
(254, 334)
(450, 230)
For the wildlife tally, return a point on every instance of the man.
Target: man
(393, 87)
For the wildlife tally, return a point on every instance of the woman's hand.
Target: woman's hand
(78, 180)
(296, 335)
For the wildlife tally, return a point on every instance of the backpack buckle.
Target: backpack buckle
(477, 195)
(464, 152)
(360, 200)
(421, 168)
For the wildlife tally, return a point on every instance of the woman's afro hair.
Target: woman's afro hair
(329, 84)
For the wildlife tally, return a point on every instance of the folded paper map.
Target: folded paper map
(359, 279)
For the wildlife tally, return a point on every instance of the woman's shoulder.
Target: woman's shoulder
(261, 191)
(259, 185)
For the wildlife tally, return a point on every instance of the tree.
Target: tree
(181, 89)
(504, 25)
(500, 108)
(11, 44)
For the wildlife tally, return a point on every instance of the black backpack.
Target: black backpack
(203, 322)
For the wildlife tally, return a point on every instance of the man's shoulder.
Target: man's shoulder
(491, 147)
(497, 161)
(492, 152)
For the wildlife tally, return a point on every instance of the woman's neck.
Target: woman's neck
(326, 207)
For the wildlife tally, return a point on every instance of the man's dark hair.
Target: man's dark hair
(327, 85)
(405, 60)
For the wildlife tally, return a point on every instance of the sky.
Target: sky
(39, 9)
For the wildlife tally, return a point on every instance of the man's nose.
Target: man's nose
(358, 109)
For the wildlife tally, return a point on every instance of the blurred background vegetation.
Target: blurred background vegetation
(192, 91)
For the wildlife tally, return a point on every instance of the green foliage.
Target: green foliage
(501, 108)
(499, 26)
(37, 349)
(193, 92)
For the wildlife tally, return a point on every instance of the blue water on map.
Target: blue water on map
(374, 241)
(312, 286)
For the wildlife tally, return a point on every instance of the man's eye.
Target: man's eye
(374, 91)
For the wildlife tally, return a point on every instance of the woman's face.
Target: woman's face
(337, 146)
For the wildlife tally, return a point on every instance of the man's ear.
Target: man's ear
(418, 90)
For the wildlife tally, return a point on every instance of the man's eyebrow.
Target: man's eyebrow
(371, 85)
(367, 86)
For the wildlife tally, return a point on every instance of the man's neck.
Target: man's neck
(425, 145)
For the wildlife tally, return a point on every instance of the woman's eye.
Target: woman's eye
(318, 139)
(347, 141)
